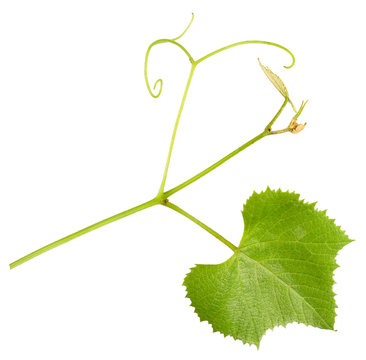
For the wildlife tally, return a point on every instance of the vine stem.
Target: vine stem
(214, 166)
(162, 196)
(201, 224)
(267, 131)
(158, 200)
(269, 126)
(84, 231)
(161, 189)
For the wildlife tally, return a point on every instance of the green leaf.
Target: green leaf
(275, 80)
(281, 273)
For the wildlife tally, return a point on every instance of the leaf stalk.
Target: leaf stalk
(201, 224)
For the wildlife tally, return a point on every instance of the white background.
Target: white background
(81, 139)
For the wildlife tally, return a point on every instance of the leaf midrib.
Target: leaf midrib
(284, 283)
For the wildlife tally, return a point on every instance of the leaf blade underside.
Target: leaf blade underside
(281, 273)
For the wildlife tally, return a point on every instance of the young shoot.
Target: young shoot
(282, 269)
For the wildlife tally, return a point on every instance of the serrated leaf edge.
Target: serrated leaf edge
(311, 205)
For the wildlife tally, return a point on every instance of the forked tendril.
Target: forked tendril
(162, 41)
(193, 62)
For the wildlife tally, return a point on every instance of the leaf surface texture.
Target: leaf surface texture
(281, 273)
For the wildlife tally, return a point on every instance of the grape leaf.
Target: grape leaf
(281, 273)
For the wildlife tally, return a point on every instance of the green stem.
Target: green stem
(229, 156)
(161, 190)
(202, 225)
(159, 199)
(84, 231)
(214, 166)
(268, 127)
(161, 194)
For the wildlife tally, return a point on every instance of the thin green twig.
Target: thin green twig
(213, 167)
(161, 189)
(83, 231)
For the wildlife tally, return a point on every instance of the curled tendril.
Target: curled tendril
(250, 42)
(159, 82)
(162, 41)
(185, 30)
